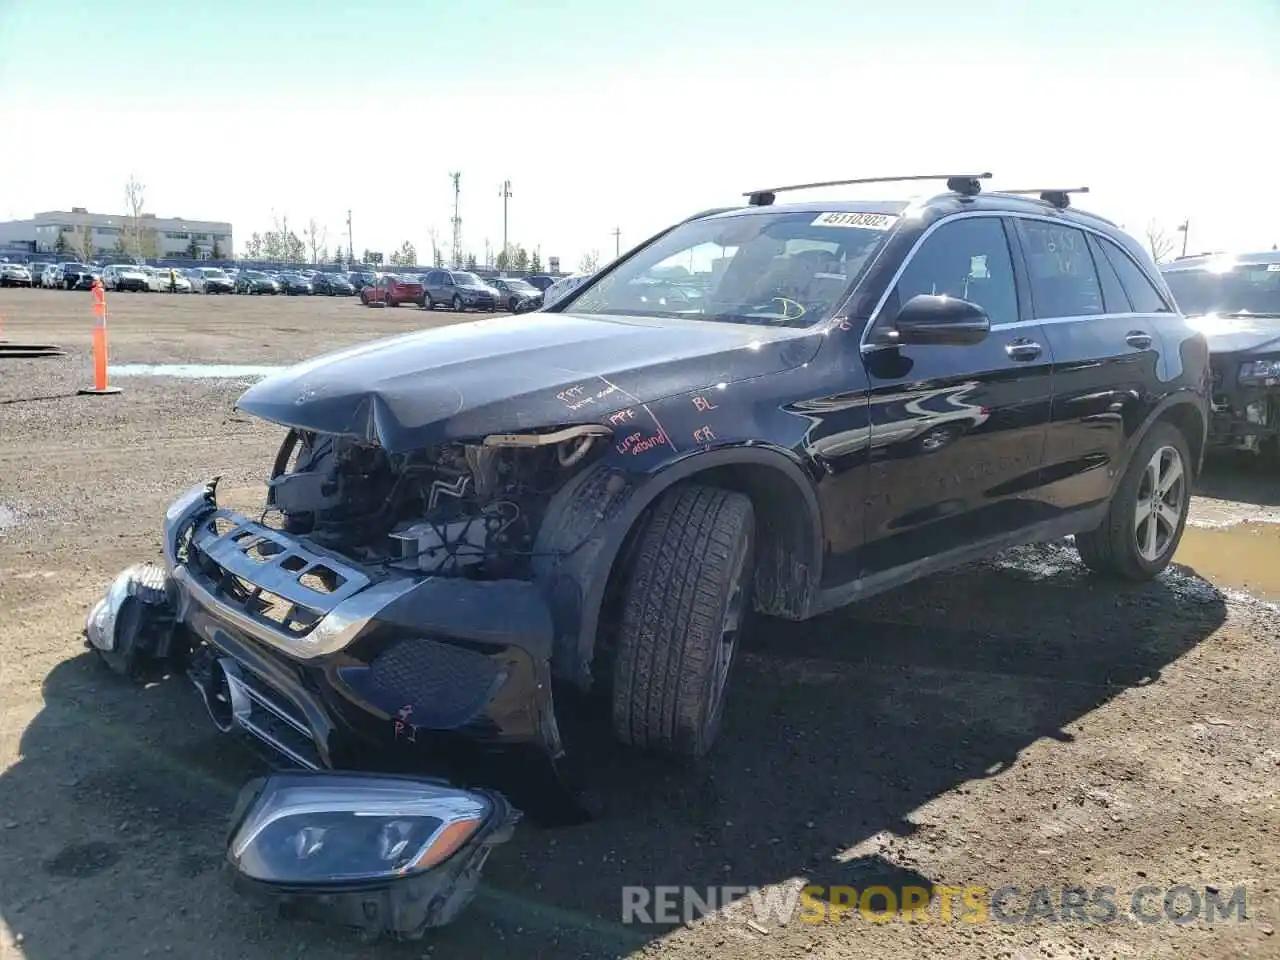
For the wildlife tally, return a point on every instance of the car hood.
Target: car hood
(1238, 333)
(507, 374)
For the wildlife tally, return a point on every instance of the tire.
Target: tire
(687, 592)
(1114, 548)
(513, 305)
(457, 304)
(390, 301)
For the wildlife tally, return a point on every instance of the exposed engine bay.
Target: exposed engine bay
(460, 509)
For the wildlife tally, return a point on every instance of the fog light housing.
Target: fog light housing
(132, 626)
(384, 855)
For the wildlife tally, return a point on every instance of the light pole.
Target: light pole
(351, 248)
(617, 242)
(1185, 229)
(505, 193)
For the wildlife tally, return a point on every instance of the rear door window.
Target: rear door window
(1142, 292)
(1064, 282)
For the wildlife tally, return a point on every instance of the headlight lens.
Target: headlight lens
(330, 828)
(1266, 372)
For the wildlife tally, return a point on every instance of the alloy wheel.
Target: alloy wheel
(1160, 504)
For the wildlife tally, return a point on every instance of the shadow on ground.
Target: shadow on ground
(838, 730)
(1246, 478)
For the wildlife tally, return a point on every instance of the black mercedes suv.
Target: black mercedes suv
(778, 408)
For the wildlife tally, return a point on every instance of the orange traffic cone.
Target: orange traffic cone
(100, 387)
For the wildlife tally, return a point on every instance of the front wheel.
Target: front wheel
(457, 303)
(1148, 511)
(687, 594)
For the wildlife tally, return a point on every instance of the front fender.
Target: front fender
(588, 522)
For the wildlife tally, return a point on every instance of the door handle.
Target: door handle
(1138, 339)
(1022, 349)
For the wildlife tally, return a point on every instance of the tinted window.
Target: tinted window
(1142, 292)
(1064, 282)
(1114, 298)
(968, 259)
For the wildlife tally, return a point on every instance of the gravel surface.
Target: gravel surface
(1011, 722)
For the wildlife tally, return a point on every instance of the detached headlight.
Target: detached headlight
(383, 854)
(1261, 372)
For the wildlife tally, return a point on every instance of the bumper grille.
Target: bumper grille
(273, 720)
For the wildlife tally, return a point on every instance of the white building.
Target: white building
(173, 235)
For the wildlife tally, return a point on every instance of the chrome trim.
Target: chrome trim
(864, 345)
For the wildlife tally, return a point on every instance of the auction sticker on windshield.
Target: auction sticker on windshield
(860, 221)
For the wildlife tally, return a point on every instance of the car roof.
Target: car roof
(1200, 261)
(933, 207)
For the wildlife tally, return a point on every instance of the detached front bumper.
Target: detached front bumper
(331, 665)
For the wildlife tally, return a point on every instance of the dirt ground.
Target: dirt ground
(1012, 722)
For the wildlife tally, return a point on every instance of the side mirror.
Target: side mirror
(942, 320)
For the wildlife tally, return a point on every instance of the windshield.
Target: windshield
(76, 266)
(1248, 288)
(467, 280)
(784, 268)
(255, 275)
(524, 286)
(215, 274)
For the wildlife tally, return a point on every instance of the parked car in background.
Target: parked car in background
(1234, 300)
(77, 276)
(541, 281)
(517, 294)
(332, 284)
(14, 275)
(210, 280)
(458, 290)
(158, 280)
(295, 284)
(359, 279)
(37, 271)
(393, 290)
(51, 276)
(255, 281)
(125, 276)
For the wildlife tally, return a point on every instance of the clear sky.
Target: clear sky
(631, 114)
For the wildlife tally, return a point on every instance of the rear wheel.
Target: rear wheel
(1148, 511)
(687, 593)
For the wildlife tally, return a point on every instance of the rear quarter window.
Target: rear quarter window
(1142, 292)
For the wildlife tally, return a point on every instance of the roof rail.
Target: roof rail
(965, 183)
(1059, 197)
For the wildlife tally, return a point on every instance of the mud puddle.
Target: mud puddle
(1245, 556)
(193, 371)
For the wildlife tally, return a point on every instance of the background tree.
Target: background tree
(60, 245)
(1159, 242)
(135, 195)
(502, 261)
(535, 261)
(316, 236)
(192, 250)
(80, 242)
(590, 262)
(121, 249)
(253, 247)
(216, 252)
(519, 258)
(405, 256)
(437, 258)
(471, 261)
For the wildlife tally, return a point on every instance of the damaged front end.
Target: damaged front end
(380, 618)
(1246, 402)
